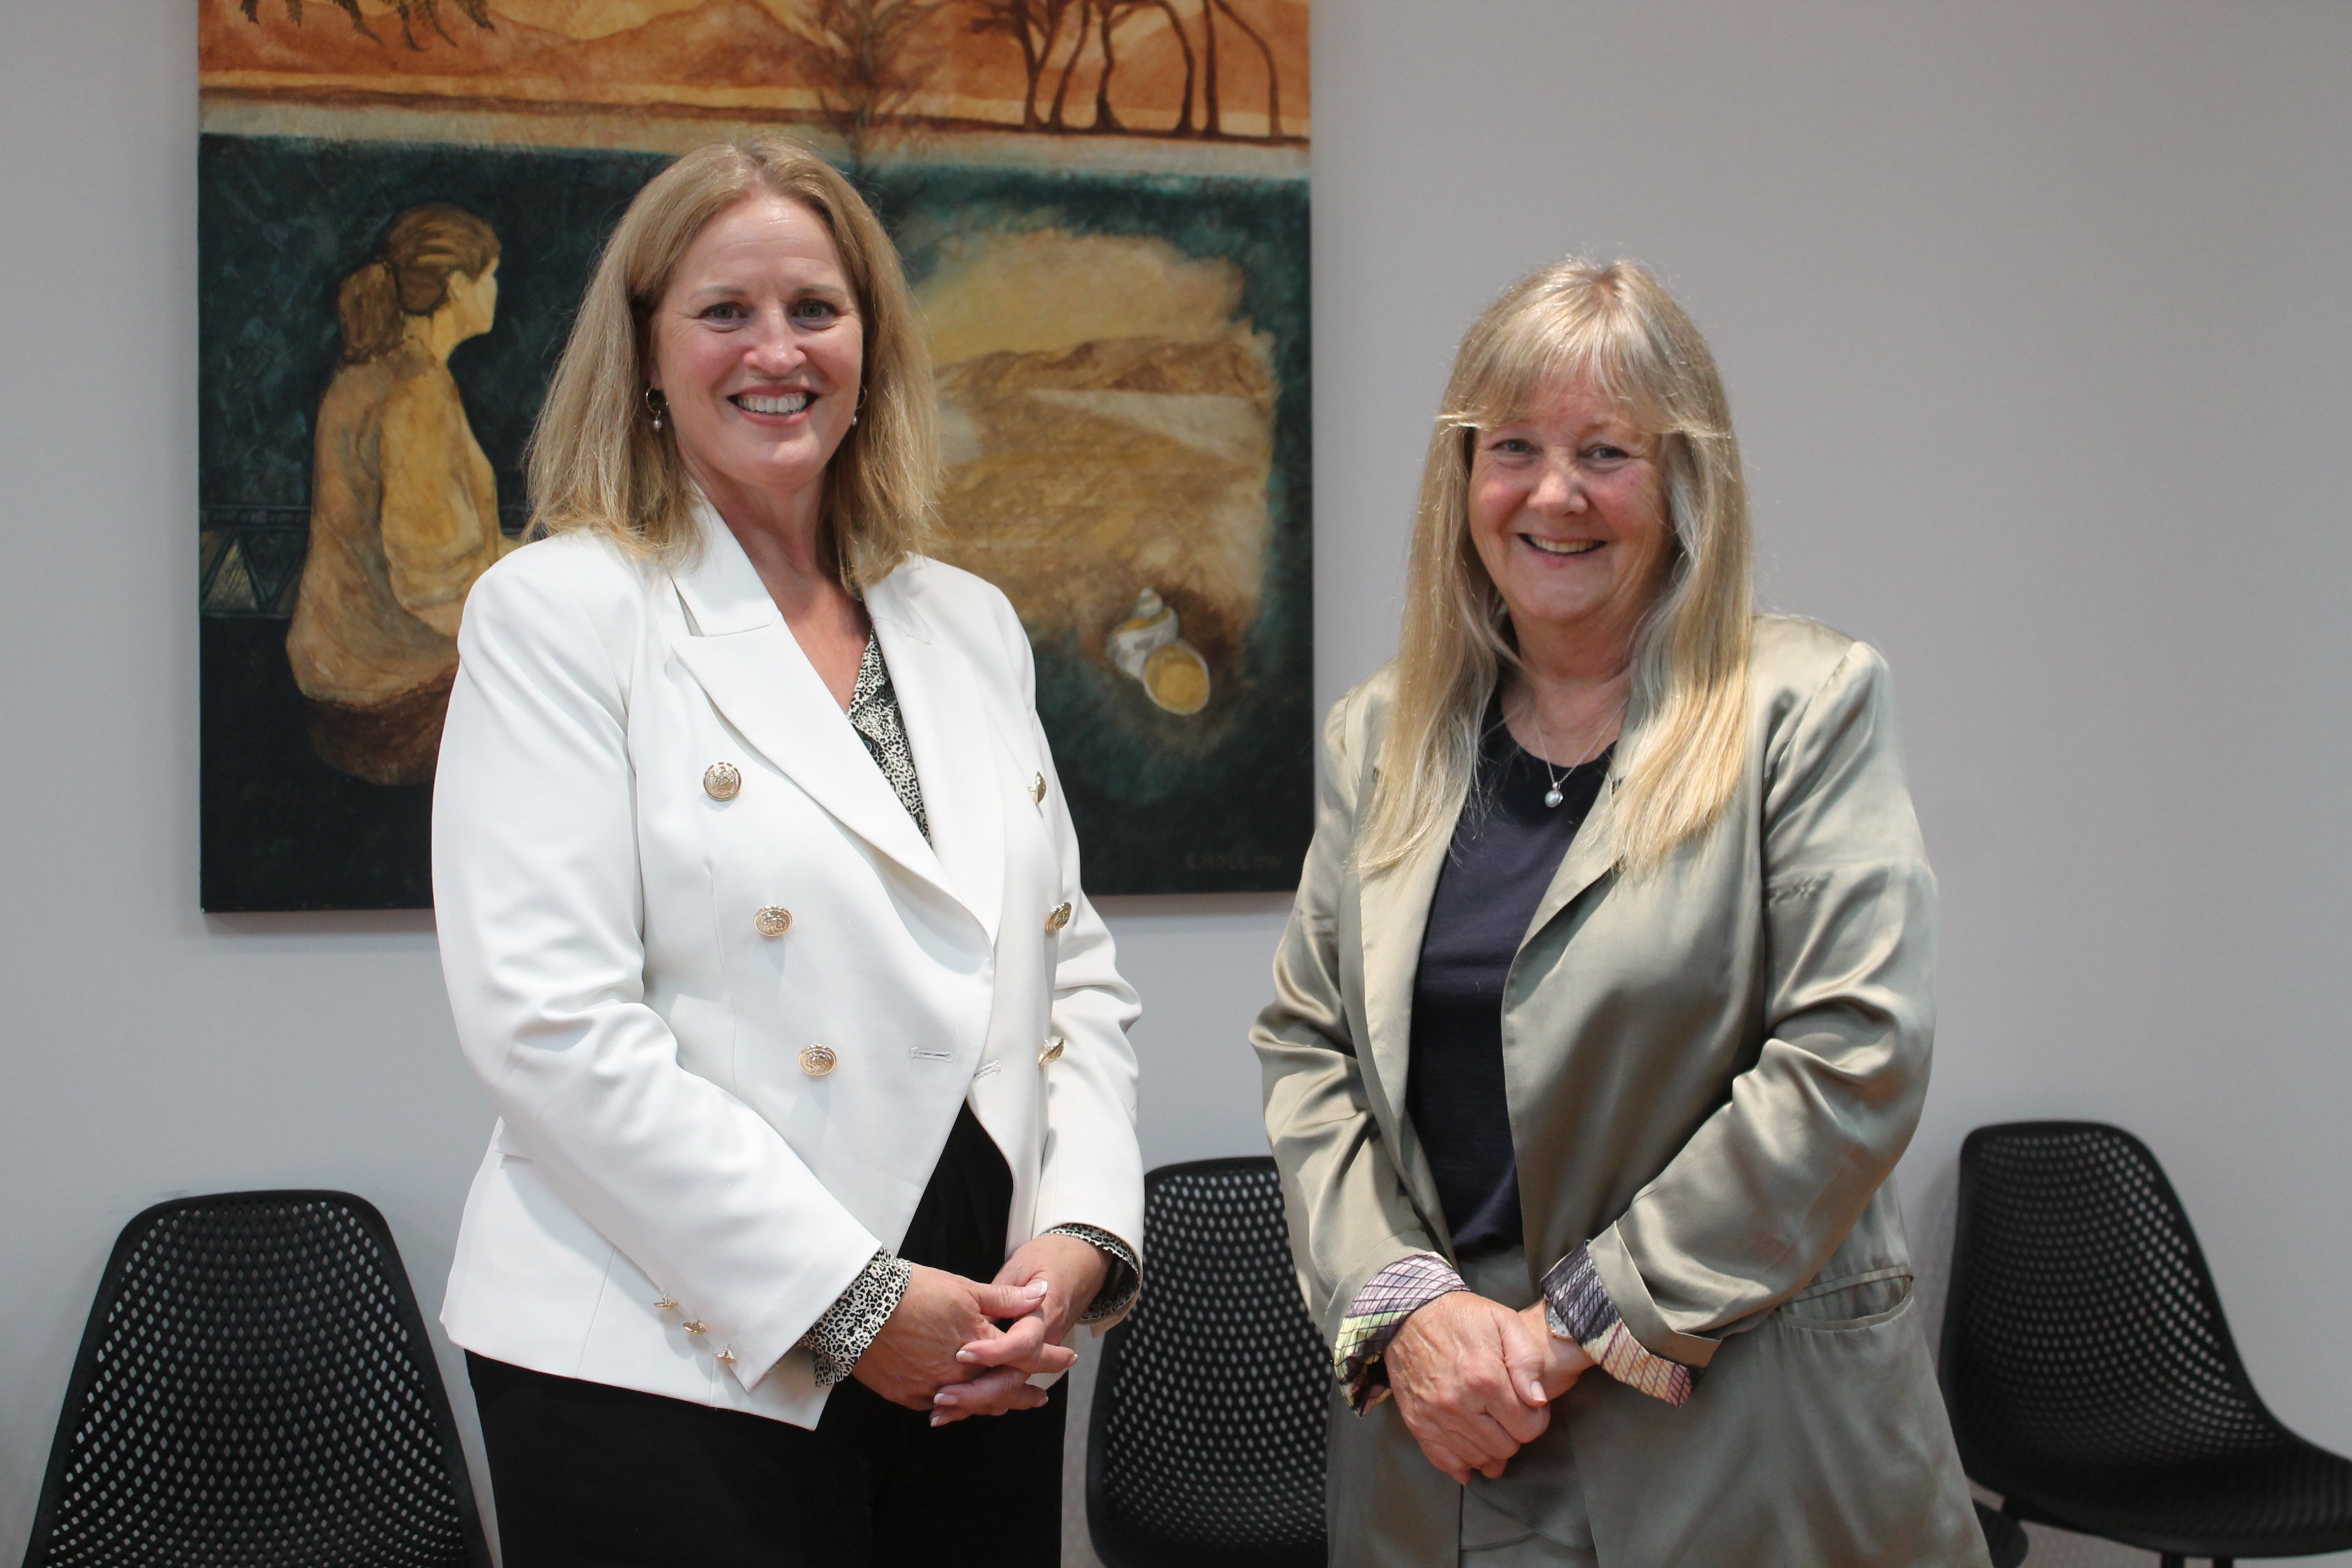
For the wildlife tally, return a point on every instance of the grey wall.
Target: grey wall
(2035, 319)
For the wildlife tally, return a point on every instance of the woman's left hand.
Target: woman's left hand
(1073, 1271)
(1565, 1361)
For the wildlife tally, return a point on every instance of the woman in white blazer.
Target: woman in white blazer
(760, 912)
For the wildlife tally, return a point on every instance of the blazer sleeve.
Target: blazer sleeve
(1092, 1167)
(537, 891)
(1349, 1215)
(1769, 1184)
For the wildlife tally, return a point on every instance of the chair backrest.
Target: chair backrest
(1205, 1445)
(256, 1388)
(2083, 1331)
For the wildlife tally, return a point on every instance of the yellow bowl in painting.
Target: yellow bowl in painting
(1177, 676)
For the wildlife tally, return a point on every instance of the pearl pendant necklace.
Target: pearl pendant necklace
(1555, 795)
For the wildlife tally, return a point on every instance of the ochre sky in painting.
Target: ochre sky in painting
(752, 57)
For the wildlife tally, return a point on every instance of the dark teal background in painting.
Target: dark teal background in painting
(282, 221)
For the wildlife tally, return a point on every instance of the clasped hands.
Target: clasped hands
(942, 1350)
(1474, 1380)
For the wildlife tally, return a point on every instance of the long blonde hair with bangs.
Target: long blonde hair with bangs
(597, 463)
(1680, 752)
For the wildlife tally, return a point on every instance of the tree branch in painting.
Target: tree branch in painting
(1214, 114)
(1111, 13)
(1183, 126)
(866, 59)
(1054, 120)
(1035, 26)
(409, 12)
(1272, 75)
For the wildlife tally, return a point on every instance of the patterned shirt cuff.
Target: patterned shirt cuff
(1373, 1318)
(1126, 1276)
(835, 1341)
(1577, 1306)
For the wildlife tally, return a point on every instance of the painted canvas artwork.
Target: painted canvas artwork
(1103, 208)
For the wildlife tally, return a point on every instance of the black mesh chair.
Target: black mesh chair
(1205, 1445)
(256, 1390)
(2005, 1540)
(2090, 1374)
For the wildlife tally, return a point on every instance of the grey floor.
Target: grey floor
(2062, 1549)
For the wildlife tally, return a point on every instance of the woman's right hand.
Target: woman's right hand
(1468, 1380)
(914, 1356)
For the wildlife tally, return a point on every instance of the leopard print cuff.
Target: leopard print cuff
(837, 1340)
(1126, 1277)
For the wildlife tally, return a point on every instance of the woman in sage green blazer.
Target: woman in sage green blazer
(1604, 1011)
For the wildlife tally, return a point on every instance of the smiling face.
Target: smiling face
(1568, 512)
(758, 348)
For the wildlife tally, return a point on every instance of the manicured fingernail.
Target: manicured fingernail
(966, 1356)
(937, 1419)
(1035, 1288)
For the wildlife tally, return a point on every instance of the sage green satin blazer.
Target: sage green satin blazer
(1712, 1069)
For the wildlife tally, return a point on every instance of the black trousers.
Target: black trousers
(588, 1476)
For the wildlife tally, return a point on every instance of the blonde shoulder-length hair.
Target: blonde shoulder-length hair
(596, 461)
(1617, 328)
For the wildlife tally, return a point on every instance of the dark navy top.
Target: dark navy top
(1507, 845)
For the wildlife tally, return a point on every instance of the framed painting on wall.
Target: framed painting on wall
(1103, 208)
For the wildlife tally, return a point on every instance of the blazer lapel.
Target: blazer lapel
(955, 755)
(751, 666)
(1592, 856)
(1393, 906)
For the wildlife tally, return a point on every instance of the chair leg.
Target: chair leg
(2172, 1560)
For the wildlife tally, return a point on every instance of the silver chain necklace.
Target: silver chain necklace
(1555, 795)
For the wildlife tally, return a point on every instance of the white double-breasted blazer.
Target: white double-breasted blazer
(610, 907)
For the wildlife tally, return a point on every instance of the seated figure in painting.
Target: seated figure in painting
(404, 507)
